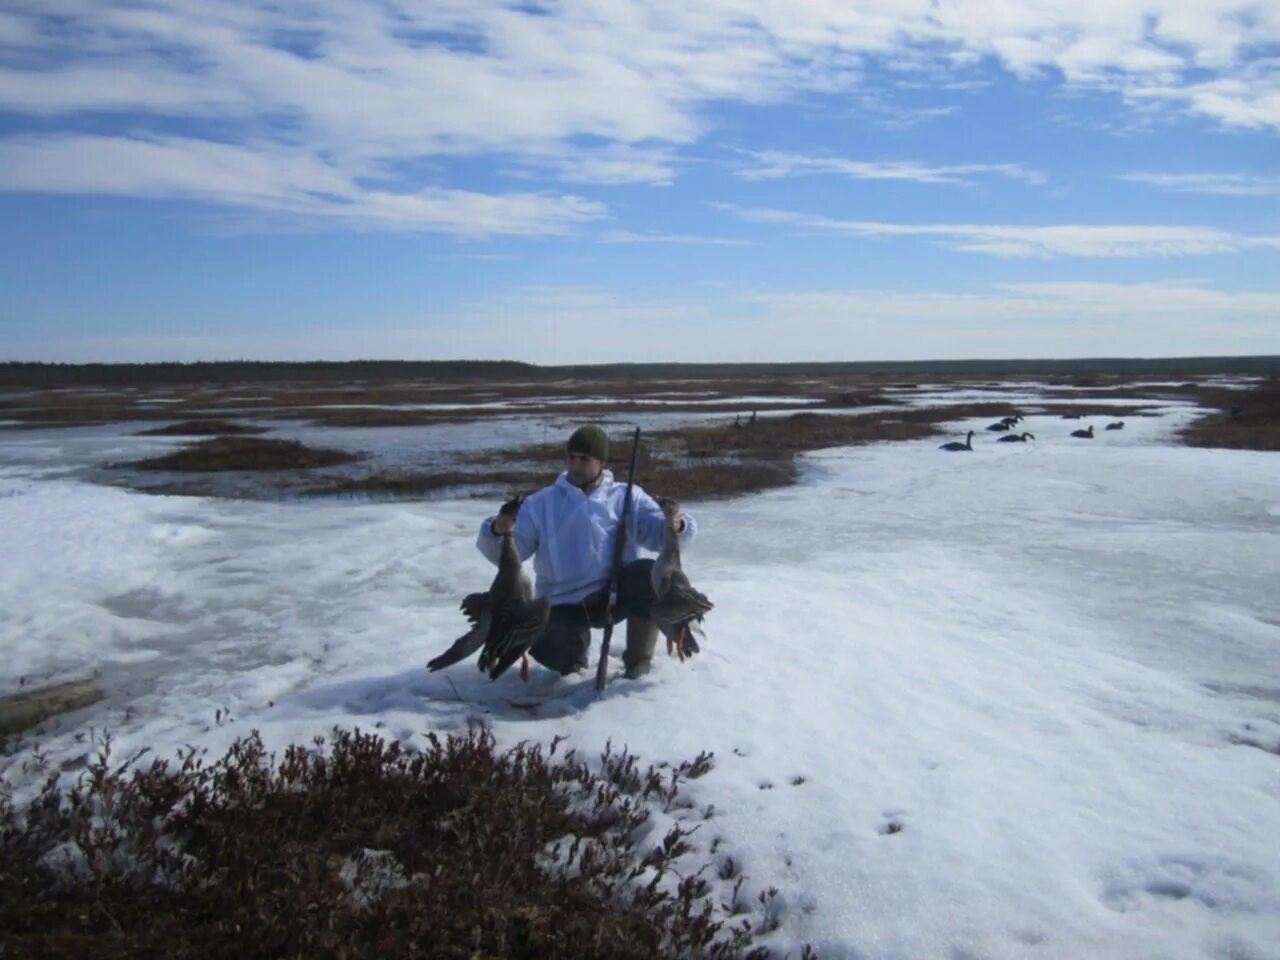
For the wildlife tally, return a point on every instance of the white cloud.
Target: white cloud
(1062, 319)
(356, 83)
(1065, 301)
(627, 236)
(15, 30)
(774, 164)
(559, 325)
(622, 70)
(896, 118)
(274, 179)
(122, 88)
(611, 165)
(1222, 184)
(1139, 48)
(1018, 241)
(569, 324)
(1250, 99)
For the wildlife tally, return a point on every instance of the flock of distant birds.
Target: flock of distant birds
(1005, 425)
(507, 619)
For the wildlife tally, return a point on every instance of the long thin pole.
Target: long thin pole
(619, 543)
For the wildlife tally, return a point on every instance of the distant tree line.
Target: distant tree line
(13, 374)
(252, 371)
(1127, 366)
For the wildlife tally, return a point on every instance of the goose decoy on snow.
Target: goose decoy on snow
(1086, 434)
(1015, 438)
(676, 605)
(1117, 425)
(505, 621)
(957, 445)
(1001, 425)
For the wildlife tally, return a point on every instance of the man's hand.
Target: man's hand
(505, 521)
(672, 513)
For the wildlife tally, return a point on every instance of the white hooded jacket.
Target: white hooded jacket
(570, 535)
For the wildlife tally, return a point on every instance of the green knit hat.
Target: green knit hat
(590, 440)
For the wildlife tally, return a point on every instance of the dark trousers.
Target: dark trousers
(565, 642)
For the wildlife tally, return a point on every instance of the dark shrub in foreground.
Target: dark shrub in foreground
(368, 850)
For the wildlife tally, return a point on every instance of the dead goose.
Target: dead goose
(677, 605)
(957, 445)
(1084, 434)
(1016, 438)
(506, 620)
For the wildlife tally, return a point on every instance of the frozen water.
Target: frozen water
(1016, 702)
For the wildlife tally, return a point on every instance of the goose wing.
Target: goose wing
(476, 606)
(679, 604)
(514, 628)
(676, 611)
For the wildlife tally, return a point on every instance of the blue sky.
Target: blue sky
(606, 181)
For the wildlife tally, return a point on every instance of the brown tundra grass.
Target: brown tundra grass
(244, 453)
(201, 428)
(717, 459)
(368, 849)
(1242, 419)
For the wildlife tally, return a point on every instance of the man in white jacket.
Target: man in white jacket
(569, 529)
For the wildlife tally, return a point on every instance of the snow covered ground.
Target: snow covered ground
(1019, 702)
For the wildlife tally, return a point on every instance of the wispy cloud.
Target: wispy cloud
(1058, 319)
(475, 257)
(898, 118)
(627, 236)
(898, 113)
(278, 180)
(1017, 241)
(381, 83)
(1221, 184)
(774, 164)
(1155, 303)
(612, 165)
(570, 324)
(1249, 98)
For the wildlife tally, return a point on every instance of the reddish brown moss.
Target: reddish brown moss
(201, 428)
(1242, 419)
(245, 453)
(364, 850)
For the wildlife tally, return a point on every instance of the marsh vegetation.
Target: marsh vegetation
(710, 431)
(359, 848)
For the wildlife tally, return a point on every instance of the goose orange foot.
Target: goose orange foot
(677, 646)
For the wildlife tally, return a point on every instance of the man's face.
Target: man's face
(583, 468)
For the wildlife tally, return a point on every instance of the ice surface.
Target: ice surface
(1019, 702)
